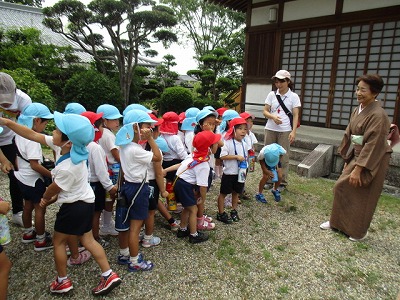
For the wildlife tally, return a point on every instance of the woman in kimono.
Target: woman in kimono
(357, 191)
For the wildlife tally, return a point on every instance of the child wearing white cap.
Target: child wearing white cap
(12, 102)
(30, 175)
(71, 189)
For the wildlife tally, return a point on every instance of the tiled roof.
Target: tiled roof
(16, 15)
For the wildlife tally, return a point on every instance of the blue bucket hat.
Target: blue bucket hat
(110, 112)
(205, 113)
(190, 119)
(272, 153)
(227, 116)
(79, 131)
(125, 135)
(209, 107)
(32, 111)
(162, 144)
(137, 107)
(74, 108)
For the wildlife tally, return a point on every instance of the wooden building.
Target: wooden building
(325, 45)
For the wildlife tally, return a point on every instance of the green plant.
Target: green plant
(176, 99)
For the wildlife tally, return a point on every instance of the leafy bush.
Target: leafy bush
(27, 82)
(91, 89)
(176, 99)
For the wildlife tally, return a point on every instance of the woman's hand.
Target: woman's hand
(355, 177)
(292, 136)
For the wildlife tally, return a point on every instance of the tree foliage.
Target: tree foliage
(27, 82)
(176, 99)
(208, 27)
(131, 25)
(91, 89)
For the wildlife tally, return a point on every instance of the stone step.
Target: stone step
(298, 154)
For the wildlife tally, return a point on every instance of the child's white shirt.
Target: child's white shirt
(135, 161)
(188, 141)
(107, 142)
(197, 175)
(29, 150)
(231, 166)
(177, 150)
(98, 169)
(250, 139)
(73, 182)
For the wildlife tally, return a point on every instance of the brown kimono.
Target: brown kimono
(353, 207)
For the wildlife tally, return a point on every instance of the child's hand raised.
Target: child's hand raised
(146, 133)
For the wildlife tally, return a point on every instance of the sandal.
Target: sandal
(205, 226)
(207, 218)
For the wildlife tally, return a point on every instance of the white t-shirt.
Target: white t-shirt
(22, 100)
(56, 149)
(135, 161)
(107, 142)
(197, 175)
(188, 141)
(250, 139)
(177, 150)
(231, 166)
(291, 100)
(98, 169)
(73, 181)
(29, 150)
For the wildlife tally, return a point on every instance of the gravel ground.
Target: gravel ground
(276, 251)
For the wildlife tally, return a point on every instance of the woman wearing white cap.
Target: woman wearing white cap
(279, 128)
(12, 102)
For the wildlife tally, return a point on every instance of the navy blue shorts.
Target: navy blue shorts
(184, 193)
(1, 248)
(74, 218)
(229, 184)
(31, 193)
(139, 210)
(100, 196)
(154, 194)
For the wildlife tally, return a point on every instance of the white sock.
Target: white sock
(41, 237)
(134, 259)
(60, 279)
(106, 273)
(148, 237)
(28, 230)
(107, 217)
(124, 252)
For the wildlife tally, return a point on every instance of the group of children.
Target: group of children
(187, 151)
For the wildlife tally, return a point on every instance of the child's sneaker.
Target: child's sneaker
(224, 218)
(29, 237)
(80, 249)
(277, 195)
(153, 241)
(204, 225)
(108, 230)
(182, 233)
(47, 243)
(107, 284)
(103, 243)
(175, 226)
(83, 257)
(234, 215)
(199, 238)
(123, 260)
(207, 218)
(61, 287)
(141, 265)
(261, 198)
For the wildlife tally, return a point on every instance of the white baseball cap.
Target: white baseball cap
(281, 74)
(7, 89)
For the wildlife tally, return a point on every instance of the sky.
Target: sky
(183, 53)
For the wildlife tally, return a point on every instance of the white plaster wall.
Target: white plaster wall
(305, 9)
(256, 93)
(260, 15)
(358, 5)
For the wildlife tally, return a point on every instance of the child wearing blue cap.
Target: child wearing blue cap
(269, 159)
(71, 189)
(30, 175)
(111, 117)
(133, 208)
